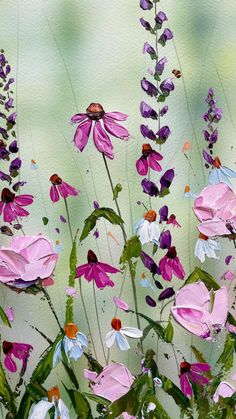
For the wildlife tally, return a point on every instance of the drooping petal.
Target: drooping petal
(166, 269)
(178, 269)
(65, 190)
(107, 268)
(118, 116)
(122, 342)
(82, 134)
(102, 141)
(154, 232)
(41, 409)
(153, 161)
(82, 339)
(64, 411)
(185, 385)
(132, 332)
(142, 166)
(24, 200)
(115, 129)
(198, 378)
(57, 354)
(200, 367)
(82, 269)
(78, 117)
(9, 363)
(54, 195)
(110, 338)
(220, 308)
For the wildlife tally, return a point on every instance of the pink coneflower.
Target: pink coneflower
(91, 120)
(170, 265)
(11, 205)
(192, 372)
(60, 188)
(97, 271)
(20, 351)
(148, 159)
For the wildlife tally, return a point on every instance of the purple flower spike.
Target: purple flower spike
(4, 176)
(166, 36)
(167, 293)
(147, 133)
(150, 264)
(167, 86)
(15, 165)
(160, 18)
(163, 213)
(149, 187)
(148, 49)
(165, 240)
(148, 87)
(96, 205)
(150, 301)
(160, 65)
(167, 179)
(145, 24)
(146, 4)
(164, 110)
(13, 147)
(207, 157)
(147, 111)
(163, 134)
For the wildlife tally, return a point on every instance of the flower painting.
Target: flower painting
(117, 209)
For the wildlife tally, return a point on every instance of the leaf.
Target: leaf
(170, 388)
(36, 391)
(45, 220)
(6, 394)
(200, 275)
(93, 363)
(202, 402)
(158, 329)
(169, 332)
(158, 413)
(199, 357)
(90, 222)
(117, 190)
(4, 318)
(226, 359)
(80, 404)
(71, 283)
(98, 399)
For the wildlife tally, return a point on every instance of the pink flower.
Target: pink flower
(148, 159)
(97, 271)
(121, 303)
(170, 265)
(20, 351)
(193, 309)
(113, 382)
(192, 372)
(59, 187)
(224, 390)
(172, 220)
(11, 205)
(28, 259)
(91, 120)
(215, 208)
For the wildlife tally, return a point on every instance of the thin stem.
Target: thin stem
(86, 316)
(48, 298)
(132, 276)
(68, 219)
(99, 328)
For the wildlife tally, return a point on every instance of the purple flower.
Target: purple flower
(9, 104)
(147, 132)
(149, 187)
(13, 147)
(228, 259)
(217, 114)
(192, 373)
(149, 159)
(4, 153)
(147, 111)
(16, 185)
(148, 87)
(167, 293)
(4, 176)
(160, 18)
(167, 86)
(96, 234)
(207, 157)
(165, 240)
(167, 179)
(101, 123)
(20, 351)
(150, 264)
(150, 301)
(96, 205)
(164, 110)
(12, 118)
(163, 134)
(165, 36)
(15, 165)
(145, 24)
(4, 133)
(163, 213)
(7, 85)
(148, 49)
(170, 265)
(160, 65)
(146, 4)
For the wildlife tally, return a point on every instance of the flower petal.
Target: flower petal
(82, 134)
(132, 332)
(185, 385)
(41, 409)
(110, 338)
(122, 342)
(115, 129)
(102, 141)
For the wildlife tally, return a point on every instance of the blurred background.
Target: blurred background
(66, 54)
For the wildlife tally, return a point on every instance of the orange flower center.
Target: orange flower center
(150, 215)
(116, 324)
(54, 393)
(71, 330)
(217, 162)
(146, 149)
(95, 111)
(202, 236)
(187, 189)
(55, 179)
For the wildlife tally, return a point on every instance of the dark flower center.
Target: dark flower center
(7, 346)
(116, 324)
(146, 150)
(55, 179)
(203, 237)
(91, 257)
(184, 367)
(171, 254)
(95, 111)
(7, 196)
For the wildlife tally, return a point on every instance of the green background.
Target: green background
(66, 54)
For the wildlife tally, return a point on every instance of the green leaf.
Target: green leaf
(226, 359)
(200, 275)
(202, 402)
(133, 248)
(199, 357)
(80, 404)
(71, 283)
(6, 394)
(231, 319)
(36, 391)
(169, 332)
(90, 222)
(158, 329)
(117, 190)
(93, 363)
(97, 399)
(4, 318)
(161, 98)
(170, 388)
(45, 220)
(158, 413)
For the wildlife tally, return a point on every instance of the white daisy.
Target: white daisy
(147, 229)
(119, 333)
(41, 409)
(206, 246)
(72, 344)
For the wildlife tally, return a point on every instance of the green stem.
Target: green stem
(68, 219)
(86, 316)
(132, 276)
(48, 298)
(98, 323)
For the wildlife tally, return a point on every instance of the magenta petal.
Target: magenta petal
(80, 270)
(142, 166)
(54, 195)
(200, 367)
(178, 269)
(166, 269)
(10, 364)
(78, 117)
(118, 116)
(65, 190)
(153, 163)
(107, 268)
(102, 141)
(82, 134)
(185, 385)
(197, 378)
(24, 200)
(115, 129)
(9, 213)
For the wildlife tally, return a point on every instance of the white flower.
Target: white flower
(206, 246)
(151, 407)
(220, 173)
(72, 345)
(147, 229)
(188, 193)
(41, 409)
(119, 333)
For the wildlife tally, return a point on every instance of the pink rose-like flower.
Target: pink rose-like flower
(113, 382)
(101, 123)
(192, 372)
(148, 159)
(28, 259)
(170, 265)
(60, 188)
(193, 309)
(20, 351)
(224, 390)
(11, 205)
(215, 207)
(97, 271)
